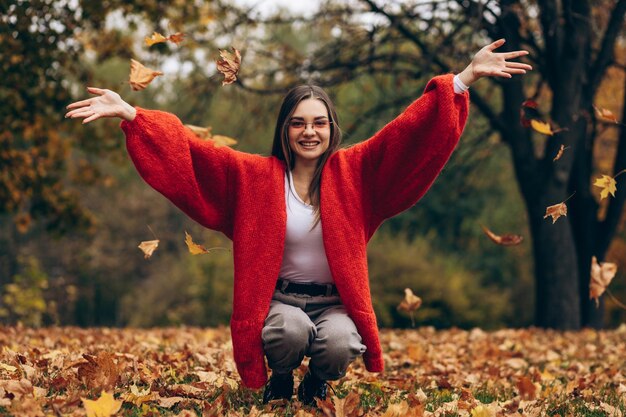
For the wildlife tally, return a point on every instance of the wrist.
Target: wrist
(467, 76)
(129, 112)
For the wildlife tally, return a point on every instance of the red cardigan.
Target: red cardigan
(243, 196)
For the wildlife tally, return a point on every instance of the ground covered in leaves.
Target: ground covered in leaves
(190, 372)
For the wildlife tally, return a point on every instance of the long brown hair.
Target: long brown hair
(281, 149)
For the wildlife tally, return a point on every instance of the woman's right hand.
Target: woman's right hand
(107, 103)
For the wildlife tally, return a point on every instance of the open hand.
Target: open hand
(107, 104)
(487, 63)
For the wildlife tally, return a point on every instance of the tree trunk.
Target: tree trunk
(556, 288)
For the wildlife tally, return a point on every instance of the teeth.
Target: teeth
(308, 143)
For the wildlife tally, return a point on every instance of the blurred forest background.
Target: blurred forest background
(73, 209)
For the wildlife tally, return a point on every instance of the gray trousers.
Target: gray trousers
(315, 326)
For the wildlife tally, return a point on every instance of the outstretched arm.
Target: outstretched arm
(190, 172)
(401, 161)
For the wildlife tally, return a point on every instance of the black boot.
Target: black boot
(280, 386)
(311, 388)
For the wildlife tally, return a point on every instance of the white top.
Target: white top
(304, 258)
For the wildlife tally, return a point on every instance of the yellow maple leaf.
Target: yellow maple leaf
(194, 248)
(155, 38)
(105, 406)
(201, 132)
(607, 184)
(148, 247)
(141, 76)
(483, 411)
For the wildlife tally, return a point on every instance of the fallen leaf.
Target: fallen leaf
(194, 248)
(482, 411)
(105, 406)
(141, 76)
(560, 153)
(504, 240)
(223, 141)
(526, 388)
(607, 184)
(148, 247)
(347, 406)
(601, 276)
(155, 38)
(605, 114)
(99, 372)
(556, 211)
(229, 65)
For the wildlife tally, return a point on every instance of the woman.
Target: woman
(300, 220)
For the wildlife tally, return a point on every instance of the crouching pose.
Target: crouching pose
(301, 218)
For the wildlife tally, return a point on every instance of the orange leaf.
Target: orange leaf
(556, 211)
(411, 302)
(601, 276)
(177, 37)
(99, 371)
(148, 247)
(229, 65)
(194, 248)
(526, 388)
(504, 240)
(605, 114)
(141, 76)
(560, 153)
(155, 38)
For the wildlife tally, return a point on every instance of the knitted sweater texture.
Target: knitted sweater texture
(242, 195)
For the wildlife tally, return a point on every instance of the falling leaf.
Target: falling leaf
(560, 153)
(504, 240)
(223, 141)
(229, 65)
(607, 184)
(605, 114)
(601, 276)
(528, 112)
(541, 127)
(205, 133)
(155, 38)
(411, 302)
(556, 211)
(177, 37)
(105, 406)
(194, 248)
(141, 76)
(148, 247)
(201, 132)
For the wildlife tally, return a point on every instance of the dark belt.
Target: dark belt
(308, 289)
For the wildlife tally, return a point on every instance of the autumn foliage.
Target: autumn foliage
(191, 372)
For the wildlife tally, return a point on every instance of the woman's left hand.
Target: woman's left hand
(487, 63)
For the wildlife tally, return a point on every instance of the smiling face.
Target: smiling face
(309, 131)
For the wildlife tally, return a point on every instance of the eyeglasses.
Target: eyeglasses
(319, 124)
